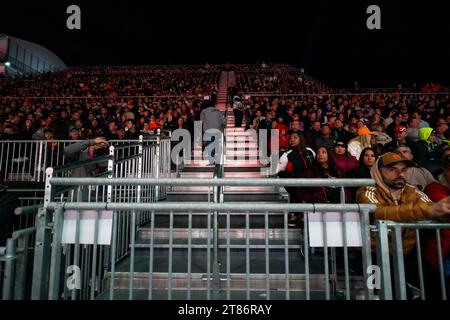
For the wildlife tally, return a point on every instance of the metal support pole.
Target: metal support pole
(55, 265)
(9, 269)
(383, 259)
(42, 254)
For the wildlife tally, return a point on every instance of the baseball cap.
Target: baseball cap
(364, 130)
(73, 128)
(400, 128)
(391, 158)
(340, 143)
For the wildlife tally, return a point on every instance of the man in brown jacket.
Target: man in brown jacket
(398, 201)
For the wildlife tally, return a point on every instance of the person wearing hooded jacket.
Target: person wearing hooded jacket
(398, 201)
(428, 153)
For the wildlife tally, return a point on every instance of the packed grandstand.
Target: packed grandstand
(352, 129)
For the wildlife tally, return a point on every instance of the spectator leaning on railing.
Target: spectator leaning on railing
(398, 201)
(84, 150)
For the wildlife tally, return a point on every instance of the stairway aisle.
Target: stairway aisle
(238, 144)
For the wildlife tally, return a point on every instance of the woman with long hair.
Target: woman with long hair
(294, 161)
(362, 141)
(366, 161)
(323, 167)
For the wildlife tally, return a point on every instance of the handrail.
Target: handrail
(28, 209)
(316, 182)
(425, 224)
(81, 163)
(265, 208)
(23, 232)
(272, 94)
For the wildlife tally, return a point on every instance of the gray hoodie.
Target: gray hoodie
(212, 119)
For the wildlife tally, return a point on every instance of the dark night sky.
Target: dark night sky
(328, 38)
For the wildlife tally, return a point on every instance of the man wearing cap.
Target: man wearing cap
(398, 201)
(400, 133)
(74, 134)
(325, 139)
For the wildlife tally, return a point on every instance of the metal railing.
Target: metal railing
(212, 276)
(144, 158)
(393, 272)
(26, 160)
(181, 260)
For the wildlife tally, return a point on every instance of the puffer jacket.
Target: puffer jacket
(406, 205)
(346, 163)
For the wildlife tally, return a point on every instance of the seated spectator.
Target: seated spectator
(323, 167)
(413, 130)
(380, 136)
(295, 161)
(442, 132)
(325, 139)
(438, 191)
(428, 150)
(400, 133)
(314, 133)
(398, 201)
(344, 161)
(366, 161)
(362, 141)
(74, 134)
(416, 176)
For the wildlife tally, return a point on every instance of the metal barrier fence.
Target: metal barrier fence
(146, 158)
(24, 164)
(174, 258)
(213, 273)
(26, 160)
(439, 274)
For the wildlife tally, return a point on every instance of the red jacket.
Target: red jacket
(437, 191)
(346, 163)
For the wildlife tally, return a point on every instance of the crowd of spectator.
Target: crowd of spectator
(117, 102)
(347, 130)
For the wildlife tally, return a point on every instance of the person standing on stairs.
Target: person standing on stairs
(213, 120)
(238, 110)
